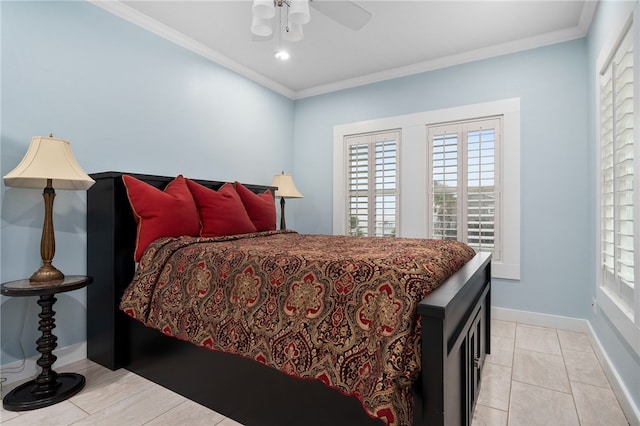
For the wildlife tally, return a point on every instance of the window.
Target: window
(464, 189)
(417, 194)
(618, 294)
(372, 184)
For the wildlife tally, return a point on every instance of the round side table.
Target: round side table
(49, 387)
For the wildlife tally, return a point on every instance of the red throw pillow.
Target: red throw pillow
(221, 211)
(260, 207)
(168, 213)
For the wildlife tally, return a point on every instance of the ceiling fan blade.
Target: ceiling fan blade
(344, 12)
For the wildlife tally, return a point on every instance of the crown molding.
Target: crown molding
(128, 13)
(448, 61)
(147, 23)
(586, 17)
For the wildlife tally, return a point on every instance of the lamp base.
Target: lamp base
(283, 224)
(46, 273)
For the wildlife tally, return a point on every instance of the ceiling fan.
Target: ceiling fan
(344, 12)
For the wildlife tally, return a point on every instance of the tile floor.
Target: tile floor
(543, 376)
(534, 376)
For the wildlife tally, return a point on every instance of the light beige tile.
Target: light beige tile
(537, 339)
(80, 366)
(501, 351)
(487, 416)
(229, 422)
(502, 343)
(540, 369)
(89, 369)
(62, 413)
(597, 406)
(138, 409)
(574, 341)
(495, 386)
(503, 329)
(584, 367)
(531, 405)
(105, 387)
(7, 415)
(187, 413)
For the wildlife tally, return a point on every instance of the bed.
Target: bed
(453, 336)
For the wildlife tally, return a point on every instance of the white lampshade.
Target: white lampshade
(264, 9)
(261, 27)
(299, 12)
(48, 158)
(294, 32)
(286, 187)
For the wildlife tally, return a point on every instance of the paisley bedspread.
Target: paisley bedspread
(338, 309)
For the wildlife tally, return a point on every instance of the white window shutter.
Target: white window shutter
(372, 184)
(482, 188)
(464, 186)
(445, 156)
(617, 171)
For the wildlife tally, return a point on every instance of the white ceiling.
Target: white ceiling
(402, 37)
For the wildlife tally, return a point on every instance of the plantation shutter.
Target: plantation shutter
(464, 189)
(617, 175)
(481, 184)
(372, 184)
(445, 166)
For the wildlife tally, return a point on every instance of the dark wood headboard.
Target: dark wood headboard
(111, 234)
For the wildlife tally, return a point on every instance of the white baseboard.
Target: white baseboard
(15, 371)
(581, 325)
(541, 320)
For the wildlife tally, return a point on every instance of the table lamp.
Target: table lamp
(48, 163)
(286, 189)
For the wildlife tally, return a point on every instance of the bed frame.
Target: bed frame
(455, 338)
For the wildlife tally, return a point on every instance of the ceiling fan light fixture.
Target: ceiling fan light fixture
(291, 15)
(282, 55)
(264, 9)
(261, 27)
(299, 12)
(293, 32)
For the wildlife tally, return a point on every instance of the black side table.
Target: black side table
(49, 387)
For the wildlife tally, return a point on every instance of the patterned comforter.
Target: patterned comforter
(338, 309)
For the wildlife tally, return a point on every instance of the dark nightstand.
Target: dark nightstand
(49, 387)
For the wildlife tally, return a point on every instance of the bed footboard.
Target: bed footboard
(456, 321)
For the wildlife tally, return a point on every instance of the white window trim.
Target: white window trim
(629, 329)
(413, 179)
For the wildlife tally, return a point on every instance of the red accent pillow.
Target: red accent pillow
(168, 213)
(221, 212)
(260, 207)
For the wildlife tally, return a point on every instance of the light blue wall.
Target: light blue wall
(551, 83)
(626, 361)
(127, 100)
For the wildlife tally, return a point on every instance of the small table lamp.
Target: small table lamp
(286, 189)
(48, 163)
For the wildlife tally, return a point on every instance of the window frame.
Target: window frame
(628, 327)
(413, 172)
